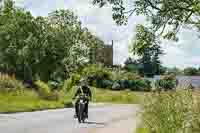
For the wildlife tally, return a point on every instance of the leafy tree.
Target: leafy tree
(146, 46)
(45, 48)
(190, 71)
(175, 71)
(131, 65)
(166, 16)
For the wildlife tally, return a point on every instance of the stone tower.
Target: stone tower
(103, 55)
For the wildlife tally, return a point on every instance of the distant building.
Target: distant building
(103, 55)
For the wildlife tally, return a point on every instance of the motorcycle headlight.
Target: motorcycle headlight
(81, 101)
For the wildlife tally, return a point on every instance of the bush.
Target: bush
(143, 85)
(167, 82)
(75, 78)
(136, 85)
(116, 86)
(55, 95)
(43, 89)
(105, 84)
(96, 72)
(8, 84)
(72, 81)
(67, 84)
(55, 85)
(123, 75)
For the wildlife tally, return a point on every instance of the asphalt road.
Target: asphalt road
(102, 119)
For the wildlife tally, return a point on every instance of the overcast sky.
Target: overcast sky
(182, 54)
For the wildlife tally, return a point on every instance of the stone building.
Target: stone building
(103, 55)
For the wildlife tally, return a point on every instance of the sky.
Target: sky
(184, 53)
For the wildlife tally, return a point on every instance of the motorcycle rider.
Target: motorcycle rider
(83, 89)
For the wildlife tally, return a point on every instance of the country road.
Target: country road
(102, 119)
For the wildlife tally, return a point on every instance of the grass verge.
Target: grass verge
(121, 97)
(142, 130)
(28, 101)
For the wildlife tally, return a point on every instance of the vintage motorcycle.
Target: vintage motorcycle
(82, 101)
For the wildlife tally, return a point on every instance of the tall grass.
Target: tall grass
(27, 100)
(172, 112)
(123, 97)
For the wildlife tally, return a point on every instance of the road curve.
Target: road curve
(102, 119)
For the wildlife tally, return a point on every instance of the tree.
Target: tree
(190, 71)
(47, 48)
(166, 16)
(131, 65)
(175, 71)
(146, 46)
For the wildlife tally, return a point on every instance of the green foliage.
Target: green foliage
(102, 77)
(43, 89)
(96, 72)
(75, 78)
(164, 20)
(167, 82)
(190, 71)
(107, 84)
(116, 86)
(10, 84)
(138, 85)
(123, 75)
(42, 48)
(55, 85)
(72, 81)
(68, 84)
(109, 96)
(28, 100)
(142, 130)
(172, 112)
(146, 45)
(175, 71)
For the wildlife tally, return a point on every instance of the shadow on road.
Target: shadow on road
(95, 123)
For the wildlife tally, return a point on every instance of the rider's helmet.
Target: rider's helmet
(83, 81)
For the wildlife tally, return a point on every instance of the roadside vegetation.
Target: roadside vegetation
(167, 109)
(16, 96)
(174, 111)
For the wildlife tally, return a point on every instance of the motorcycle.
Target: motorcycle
(82, 101)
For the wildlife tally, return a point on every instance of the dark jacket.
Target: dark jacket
(86, 90)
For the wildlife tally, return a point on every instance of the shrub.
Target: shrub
(55, 85)
(143, 85)
(55, 95)
(136, 85)
(68, 84)
(75, 78)
(43, 89)
(116, 86)
(105, 84)
(97, 72)
(72, 81)
(123, 75)
(164, 85)
(167, 82)
(8, 84)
